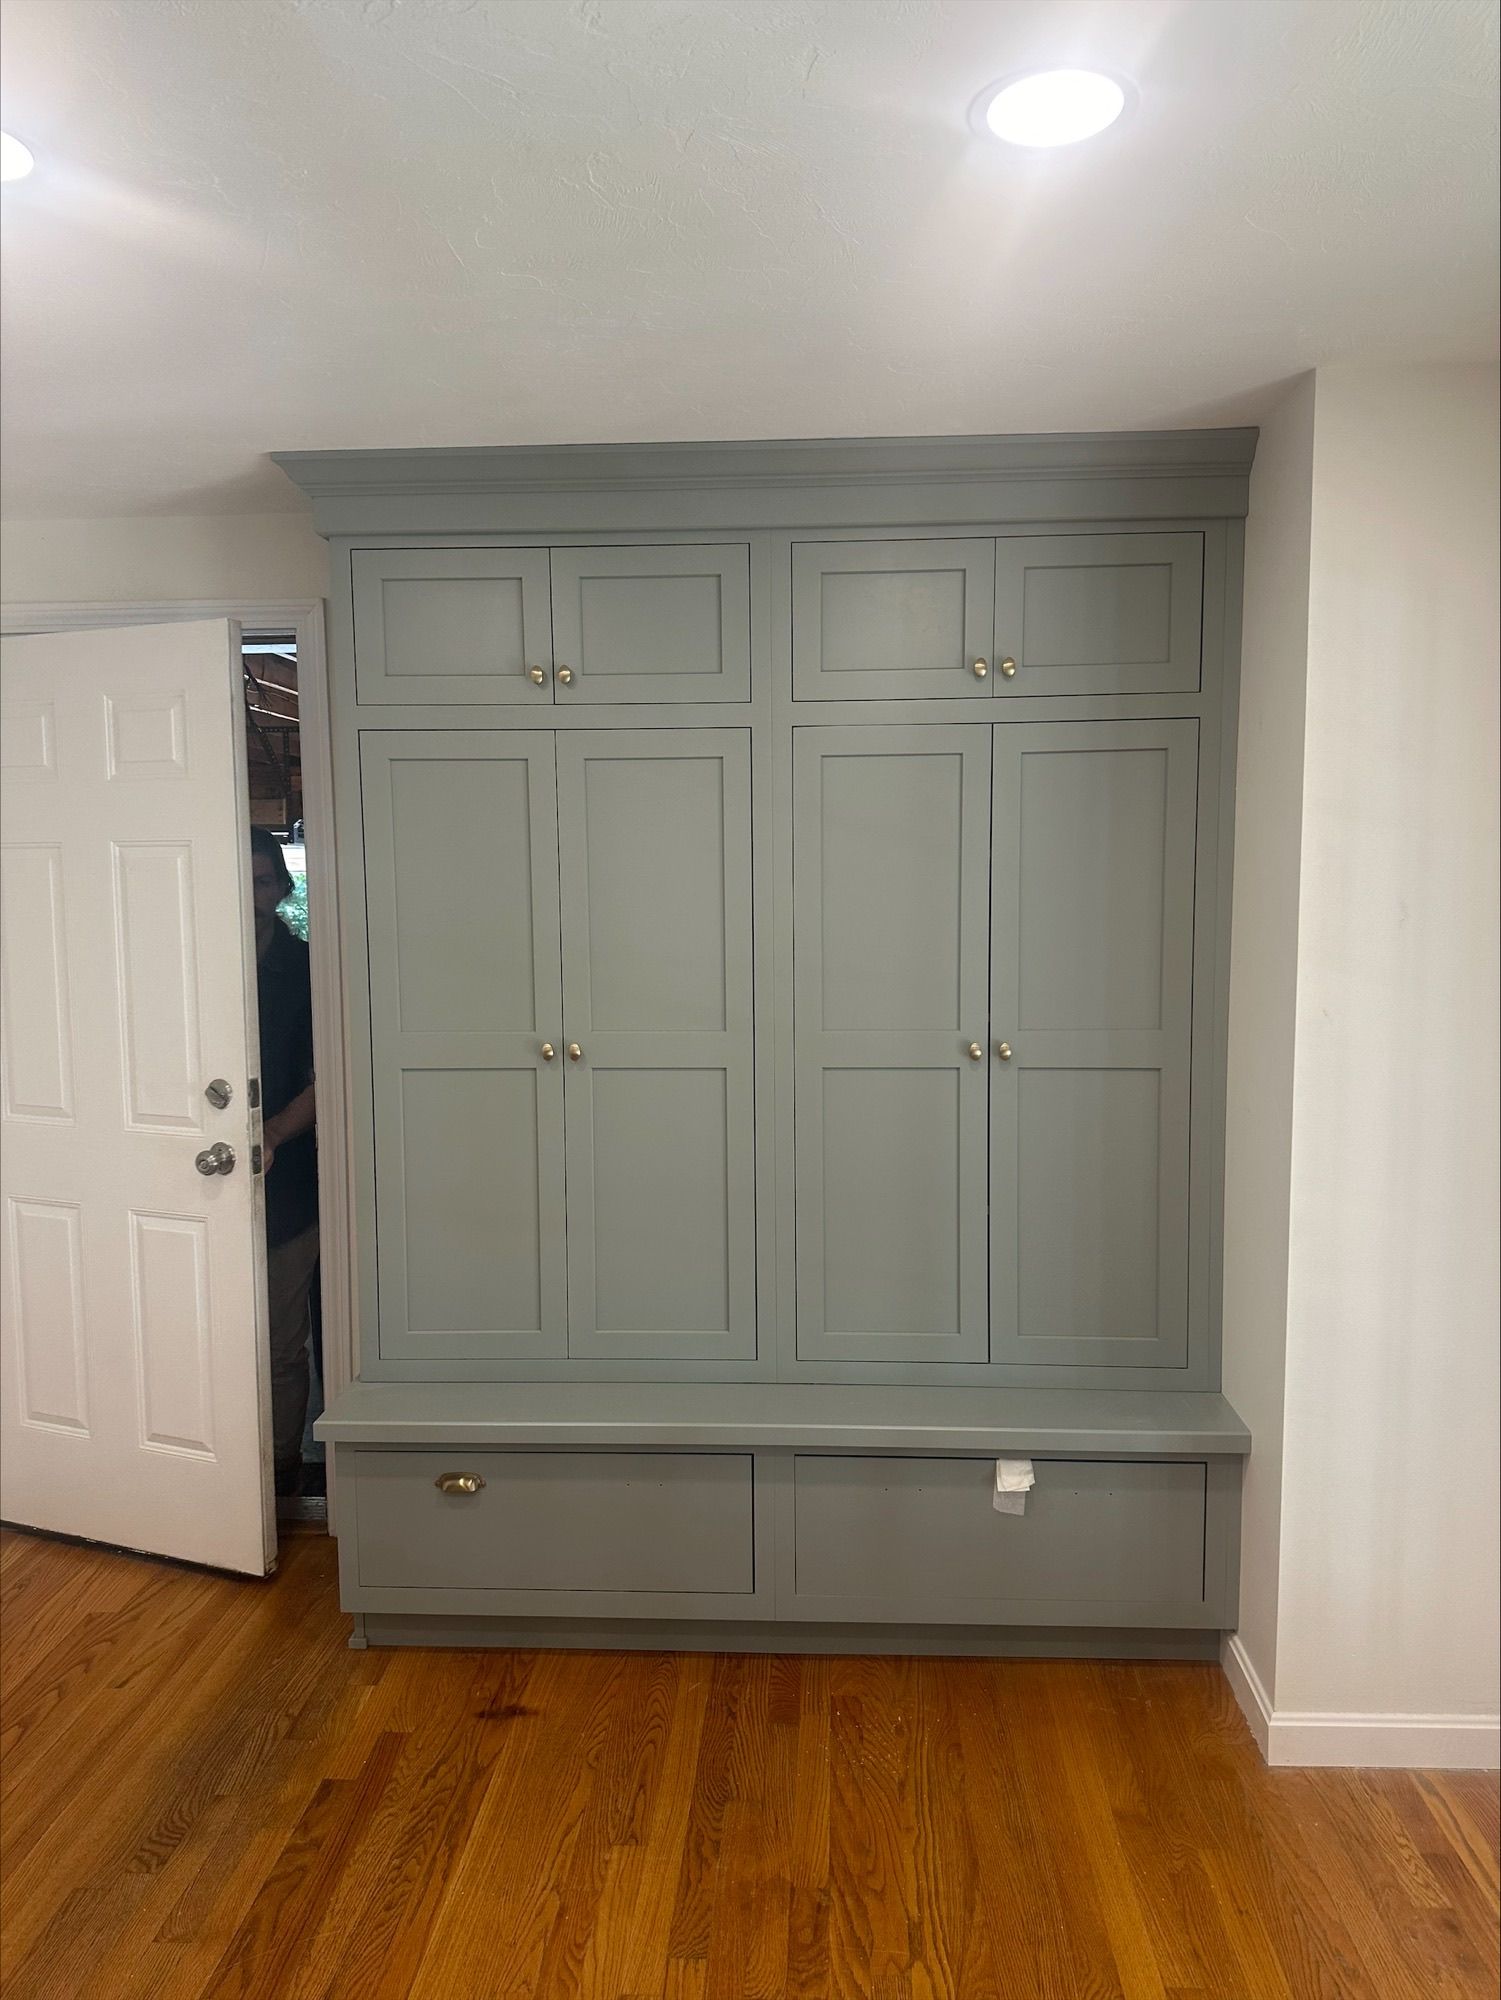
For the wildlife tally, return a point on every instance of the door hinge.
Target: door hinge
(253, 1093)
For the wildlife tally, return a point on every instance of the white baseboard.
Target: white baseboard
(1370, 1742)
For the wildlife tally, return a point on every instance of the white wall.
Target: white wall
(155, 558)
(1361, 1293)
(1389, 1596)
(1263, 989)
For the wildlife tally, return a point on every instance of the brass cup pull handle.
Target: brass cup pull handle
(976, 1053)
(1003, 1050)
(547, 1052)
(980, 669)
(565, 677)
(537, 676)
(458, 1482)
(1008, 669)
(575, 1053)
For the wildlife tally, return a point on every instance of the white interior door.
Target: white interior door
(133, 1351)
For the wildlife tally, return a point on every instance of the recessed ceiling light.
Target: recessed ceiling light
(1057, 107)
(15, 159)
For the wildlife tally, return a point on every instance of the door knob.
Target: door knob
(218, 1093)
(1008, 669)
(219, 1159)
(575, 1053)
(547, 1052)
(458, 1482)
(537, 675)
(980, 669)
(975, 1052)
(565, 677)
(1003, 1050)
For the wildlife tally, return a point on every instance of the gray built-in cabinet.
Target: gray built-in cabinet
(786, 893)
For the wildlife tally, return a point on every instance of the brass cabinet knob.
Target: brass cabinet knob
(1003, 1050)
(538, 675)
(1008, 669)
(458, 1482)
(547, 1052)
(976, 1053)
(980, 669)
(575, 1053)
(565, 677)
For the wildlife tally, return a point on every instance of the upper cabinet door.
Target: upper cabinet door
(466, 1013)
(652, 624)
(452, 625)
(1098, 614)
(656, 871)
(1092, 876)
(891, 838)
(878, 620)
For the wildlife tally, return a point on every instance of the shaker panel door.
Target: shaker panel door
(890, 882)
(1091, 993)
(657, 976)
(1098, 614)
(461, 858)
(898, 620)
(452, 625)
(652, 624)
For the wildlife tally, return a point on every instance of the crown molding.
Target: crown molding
(575, 468)
(786, 482)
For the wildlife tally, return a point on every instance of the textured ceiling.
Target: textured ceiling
(268, 224)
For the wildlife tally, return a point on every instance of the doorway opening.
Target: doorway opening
(273, 761)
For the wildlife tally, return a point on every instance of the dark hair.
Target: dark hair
(263, 841)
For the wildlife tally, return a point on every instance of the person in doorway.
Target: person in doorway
(291, 1156)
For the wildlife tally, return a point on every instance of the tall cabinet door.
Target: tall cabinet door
(657, 983)
(891, 843)
(1091, 992)
(462, 866)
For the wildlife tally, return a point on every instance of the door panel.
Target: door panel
(653, 624)
(132, 1332)
(1091, 989)
(656, 872)
(891, 831)
(465, 989)
(880, 620)
(452, 625)
(1098, 614)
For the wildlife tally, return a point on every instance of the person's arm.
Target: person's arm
(299, 1116)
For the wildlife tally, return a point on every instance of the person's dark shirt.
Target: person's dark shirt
(286, 1010)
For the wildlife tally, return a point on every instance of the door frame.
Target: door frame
(303, 617)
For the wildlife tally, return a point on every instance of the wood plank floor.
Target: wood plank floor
(203, 1793)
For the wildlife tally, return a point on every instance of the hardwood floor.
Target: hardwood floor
(204, 1793)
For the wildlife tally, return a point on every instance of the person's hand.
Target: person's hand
(270, 1140)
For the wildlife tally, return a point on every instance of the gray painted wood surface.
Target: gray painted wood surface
(860, 1416)
(463, 920)
(891, 620)
(657, 986)
(653, 623)
(1098, 614)
(452, 625)
(1092, 884)
(636, 1523)
(1103, 1541)
(890, 875)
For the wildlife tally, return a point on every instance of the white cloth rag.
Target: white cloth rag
(1014, 1480)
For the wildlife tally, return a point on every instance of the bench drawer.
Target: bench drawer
(1102, 1542)
(642, 1532)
